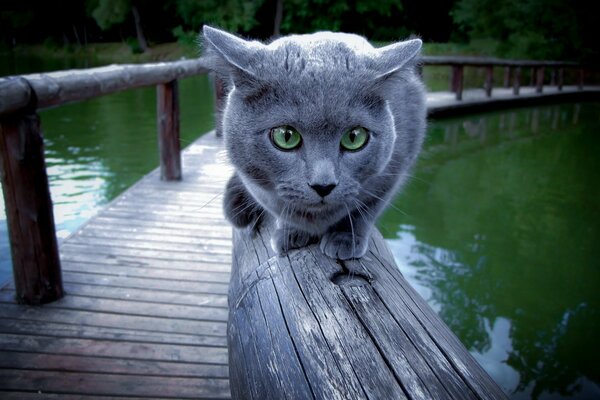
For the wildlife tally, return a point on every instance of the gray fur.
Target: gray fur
(322, 84)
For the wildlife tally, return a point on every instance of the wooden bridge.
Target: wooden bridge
(146, 280)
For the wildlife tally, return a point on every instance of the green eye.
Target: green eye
(286, 137)
(354, 139)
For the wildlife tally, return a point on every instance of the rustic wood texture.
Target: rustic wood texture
(29, 213)
(305, 326)
(457, 79)
(167, 121)
(60, 87)
(145, 313)
(473, 100)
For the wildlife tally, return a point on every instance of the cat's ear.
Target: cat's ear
(390, 59)
(238, 52)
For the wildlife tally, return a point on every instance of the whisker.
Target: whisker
(352, 230)
(385, 202)
(209, 201)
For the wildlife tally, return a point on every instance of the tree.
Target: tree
(114, 12)
(231, 15)
(550, 29)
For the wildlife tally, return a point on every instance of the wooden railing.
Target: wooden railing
(30, 218)
(513, 72)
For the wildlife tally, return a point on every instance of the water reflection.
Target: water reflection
(500, 236)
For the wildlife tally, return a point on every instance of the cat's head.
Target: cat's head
(307, 121)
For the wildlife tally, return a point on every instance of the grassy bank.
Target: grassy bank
(107, 53)
(123, 52)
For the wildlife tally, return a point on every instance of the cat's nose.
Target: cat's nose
(323, 190)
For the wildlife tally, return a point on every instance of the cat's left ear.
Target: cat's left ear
(237, 52)
(390, 59)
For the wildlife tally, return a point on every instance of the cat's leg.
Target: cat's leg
(239, 206)
(287, 237)
(347, 239)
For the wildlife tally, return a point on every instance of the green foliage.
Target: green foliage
(377, 20)
(110, 12)
(185, 38)
(232, 15)
(134, 45)
(538, 29)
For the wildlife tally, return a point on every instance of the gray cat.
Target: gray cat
(322, 130)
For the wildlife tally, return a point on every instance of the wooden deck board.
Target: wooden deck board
(146, 307)
(146, 282)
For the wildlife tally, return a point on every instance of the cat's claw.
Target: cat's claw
(285, 239)
(344, 245)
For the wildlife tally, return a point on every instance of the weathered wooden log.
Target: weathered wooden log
(167, 114)
(29, 214)
(305, 326)
(60, 87)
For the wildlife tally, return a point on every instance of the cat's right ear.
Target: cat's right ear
(237, 52)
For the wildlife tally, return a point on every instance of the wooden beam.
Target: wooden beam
(60, 87)
(30, 218)
(220, 90)
(167, 96)
(307, 326)
(456, 82)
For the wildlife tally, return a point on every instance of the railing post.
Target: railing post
(456, 83)
(489, 80)
(36, 263)
(507, 71)
(561, 78)
(539, 79)
(220, 96)
(168, 131)
(517, 81)
(581, 78)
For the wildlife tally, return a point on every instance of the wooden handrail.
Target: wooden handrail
(30, 217)
(483, 61)
(514, 67)
(61, 87)
(305, 326)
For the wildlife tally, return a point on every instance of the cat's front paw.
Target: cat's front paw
(344, 245)
(285, 239)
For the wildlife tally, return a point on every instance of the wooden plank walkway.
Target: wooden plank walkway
(146, 307)
(146, 280)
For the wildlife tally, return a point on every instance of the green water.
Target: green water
(500, 230)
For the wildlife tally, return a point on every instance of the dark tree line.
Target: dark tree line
(551, 29)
